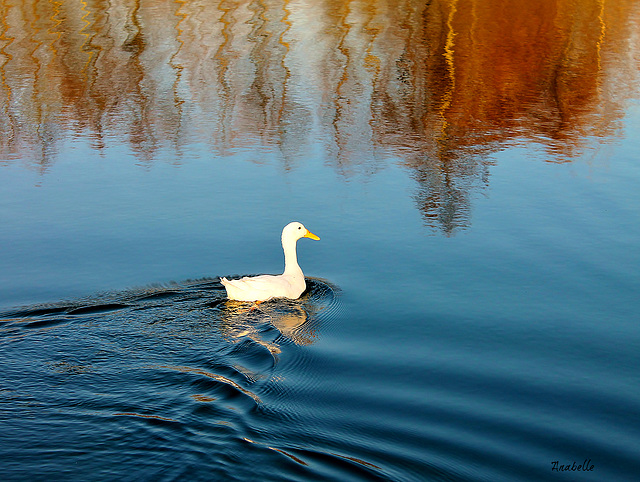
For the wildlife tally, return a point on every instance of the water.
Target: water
(471, 169)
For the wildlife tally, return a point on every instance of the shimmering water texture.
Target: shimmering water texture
(126, 380)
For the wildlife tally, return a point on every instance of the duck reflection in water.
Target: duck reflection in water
(296, 320)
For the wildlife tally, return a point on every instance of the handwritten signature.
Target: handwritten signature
(586, 466)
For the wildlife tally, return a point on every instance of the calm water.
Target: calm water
(471, 167)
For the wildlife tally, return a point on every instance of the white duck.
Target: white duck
(289, 284)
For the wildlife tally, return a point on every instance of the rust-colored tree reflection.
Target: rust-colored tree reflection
(437, 84)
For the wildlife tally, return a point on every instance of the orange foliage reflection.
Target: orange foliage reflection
(435, 83)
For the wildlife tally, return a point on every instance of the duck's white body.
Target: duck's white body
(289, 284)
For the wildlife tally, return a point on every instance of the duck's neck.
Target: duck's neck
(291, 266)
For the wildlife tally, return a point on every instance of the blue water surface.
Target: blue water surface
(479, 323)
(488, 354)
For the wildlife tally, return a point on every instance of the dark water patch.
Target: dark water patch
(35, 324)
(160, 295)
(216, 303)
(96, 309)
(45, 310)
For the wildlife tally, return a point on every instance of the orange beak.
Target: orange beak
(311, 235)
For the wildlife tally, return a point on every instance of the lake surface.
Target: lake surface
(472, 307)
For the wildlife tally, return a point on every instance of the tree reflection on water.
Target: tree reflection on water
(438, 84)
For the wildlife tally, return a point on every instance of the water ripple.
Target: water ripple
(154, 367)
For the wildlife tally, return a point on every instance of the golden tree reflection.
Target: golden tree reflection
(438, 84)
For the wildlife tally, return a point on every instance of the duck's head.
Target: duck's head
(296, 230)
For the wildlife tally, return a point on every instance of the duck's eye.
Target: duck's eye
(299, 227)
